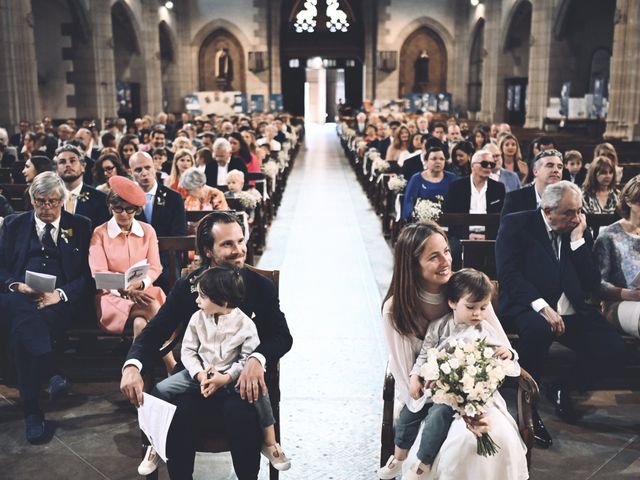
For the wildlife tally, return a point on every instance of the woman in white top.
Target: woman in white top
(416, 297)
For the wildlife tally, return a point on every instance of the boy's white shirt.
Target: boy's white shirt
(225, 346)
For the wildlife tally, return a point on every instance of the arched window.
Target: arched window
(475, 68)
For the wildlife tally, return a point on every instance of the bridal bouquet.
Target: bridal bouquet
(427, 210)
(465, 376)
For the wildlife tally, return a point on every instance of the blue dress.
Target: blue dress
(418, 187)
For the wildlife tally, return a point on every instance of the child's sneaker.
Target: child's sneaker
(149, 462)
(276, 456)
(418, 471)
(391, 470)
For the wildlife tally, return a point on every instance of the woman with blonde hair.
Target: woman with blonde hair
(600, 194)
(512, 155)
(400, 143)
(182, 161)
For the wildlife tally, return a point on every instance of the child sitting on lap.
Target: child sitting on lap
(215, 347)
(469, 295)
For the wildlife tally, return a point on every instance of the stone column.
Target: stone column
(151, 75)
(18, 67)
(623, 118)
(492, 86)
(539, 62)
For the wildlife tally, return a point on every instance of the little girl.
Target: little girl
(217, 342)
(469, 295)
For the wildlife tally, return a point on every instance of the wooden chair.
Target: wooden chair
(215, 441)
(527, 398)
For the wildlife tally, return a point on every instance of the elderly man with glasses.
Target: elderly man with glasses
(45, 241)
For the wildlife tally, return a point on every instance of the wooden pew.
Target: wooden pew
(15, 193)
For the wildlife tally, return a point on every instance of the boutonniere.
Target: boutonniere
(66, 234)
(192, 282)
(161, 198)
(83, 197)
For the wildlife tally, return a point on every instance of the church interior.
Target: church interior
(333, 110)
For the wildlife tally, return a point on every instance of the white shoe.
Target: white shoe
(276, 456)
(149, 462)
(391, 470)
(418, 471)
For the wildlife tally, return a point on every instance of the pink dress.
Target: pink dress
(111, 250)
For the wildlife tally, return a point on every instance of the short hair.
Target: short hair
(554, 193)
(471, 282)
(235, 174)
(107, 139)
(46, 183)
(480, 153)
(222, 144)
(435, 125)
(539, 158)
(159, 151)
(69, 148)
(572, 155)
(192, 178)
(546, 140)
(630, 194)
(204, 234)
(157, 130)
(223, 285)
(431, 150)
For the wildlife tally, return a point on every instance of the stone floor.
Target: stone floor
(335, 268)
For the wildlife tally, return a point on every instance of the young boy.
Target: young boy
(235, 183)
(469, 295)
(574, 169)
(217, 342)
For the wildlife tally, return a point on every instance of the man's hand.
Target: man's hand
(503, 353)
(578, 232)
(630, 295)
(45, 299)
(554, 319)
(251, 381)
(25, 289)
(132, 385)
(415, 387)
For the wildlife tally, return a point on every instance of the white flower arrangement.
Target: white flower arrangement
(465, 376)
(428, 210)
(396, 184)
(249, 198)
(283, 158)
(379, 165)
(271, 169)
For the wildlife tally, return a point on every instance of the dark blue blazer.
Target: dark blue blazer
(520, 200)
(74, 252)
(528, 268)
(168, 218)
(211, 170)
(92, 203)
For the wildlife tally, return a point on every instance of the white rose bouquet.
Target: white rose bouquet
(428, 210)
(270, 169)
(379, 165)
(465, 376)
(396, 184)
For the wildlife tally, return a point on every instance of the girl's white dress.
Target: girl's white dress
(458, 459)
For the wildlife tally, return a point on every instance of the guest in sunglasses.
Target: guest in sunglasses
(107, 166)
(119, 244)
(476, 193)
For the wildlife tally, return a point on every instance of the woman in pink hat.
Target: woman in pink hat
(115, 247)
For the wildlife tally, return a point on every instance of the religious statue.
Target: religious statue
(421, 72)
(223, 69)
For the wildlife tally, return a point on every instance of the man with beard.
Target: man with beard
(221, 241)
(80, 199)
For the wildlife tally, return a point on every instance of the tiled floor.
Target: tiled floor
(335, 268)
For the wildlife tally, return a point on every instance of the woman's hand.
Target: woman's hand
(503, 353)
(416, 386)
(477, 425)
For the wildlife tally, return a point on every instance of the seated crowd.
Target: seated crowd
(97, 204)
(556, 283)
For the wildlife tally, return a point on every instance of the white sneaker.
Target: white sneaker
(149, 462)
(418, 471)
(391, 470)
(276, 456)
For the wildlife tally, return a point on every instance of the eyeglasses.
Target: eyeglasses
(109, 169)
(487, 164)
(129, 210)
(51, 203)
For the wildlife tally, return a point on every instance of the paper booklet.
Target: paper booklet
(40, 282)
(154, 417)
(115, 281)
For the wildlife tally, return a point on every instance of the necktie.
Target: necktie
(47, 239)
(555, 237)
(68, 206)
(148, 207)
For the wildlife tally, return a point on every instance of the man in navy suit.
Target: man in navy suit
(217, 171)
(80, 198)
(164, 209)
(50, 241)
(547, 170)
(546, 272)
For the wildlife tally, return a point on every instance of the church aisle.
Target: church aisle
(326, 241)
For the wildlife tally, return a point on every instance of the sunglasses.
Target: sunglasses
(487, 164)
(124, 209)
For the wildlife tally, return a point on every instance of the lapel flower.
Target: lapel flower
(66, 234)
(83, 197)
(161, 198)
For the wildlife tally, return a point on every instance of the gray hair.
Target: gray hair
(480, 153)
(222, 144)
(554, 193)
(192, 178)
(46, 183)
(539, 158)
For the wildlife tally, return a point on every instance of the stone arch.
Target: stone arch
(476, 61)
(519, 12)
(207, 56)
(424, 32)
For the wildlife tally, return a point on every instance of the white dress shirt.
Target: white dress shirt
(478, 203)
(222, 174)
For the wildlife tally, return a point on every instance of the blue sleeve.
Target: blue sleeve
(410, 194)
